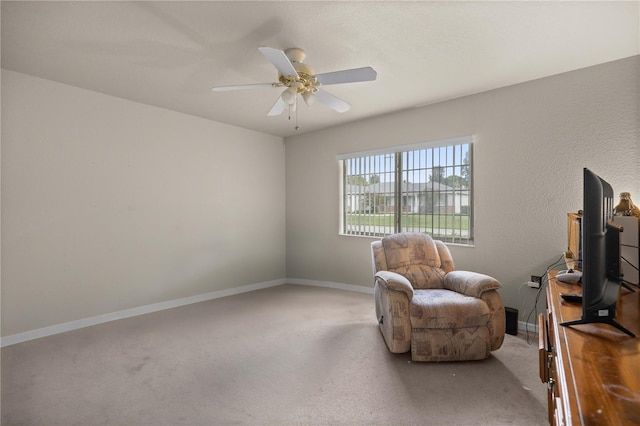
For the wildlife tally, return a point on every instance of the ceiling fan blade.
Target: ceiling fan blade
(277, 108)
(242, 87)
(347, 76)
(332, 101)
(279, 59)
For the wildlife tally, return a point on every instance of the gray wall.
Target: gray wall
(110, 205)
(532, 141)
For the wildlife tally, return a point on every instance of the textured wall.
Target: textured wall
(109, 205)
(532, 141)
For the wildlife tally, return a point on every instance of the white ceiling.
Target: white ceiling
(169, 54)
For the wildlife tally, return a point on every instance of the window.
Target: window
(418, 188)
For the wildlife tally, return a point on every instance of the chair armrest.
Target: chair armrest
(470, 283)
(394, 281)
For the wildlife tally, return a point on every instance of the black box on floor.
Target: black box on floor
(512, 321)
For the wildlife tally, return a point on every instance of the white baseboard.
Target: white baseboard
(524, 326)
(127, 313)
(141, 310)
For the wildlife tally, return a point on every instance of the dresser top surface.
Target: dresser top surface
(598, 365)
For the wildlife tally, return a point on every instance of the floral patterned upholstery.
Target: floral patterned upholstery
(424, 305)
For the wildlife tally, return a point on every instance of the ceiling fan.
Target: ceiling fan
(299, 78)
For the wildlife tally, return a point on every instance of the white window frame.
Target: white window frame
(374, 205)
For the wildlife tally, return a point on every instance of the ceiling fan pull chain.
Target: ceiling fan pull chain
(295, 103)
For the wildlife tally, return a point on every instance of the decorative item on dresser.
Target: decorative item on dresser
(627, 215)
(626, 207)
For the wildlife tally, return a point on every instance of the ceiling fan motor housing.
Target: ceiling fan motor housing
(295, 54)
(304, 82)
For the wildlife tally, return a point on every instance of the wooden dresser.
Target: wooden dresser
(592, 371)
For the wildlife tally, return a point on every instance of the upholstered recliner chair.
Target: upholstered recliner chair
(425, 306)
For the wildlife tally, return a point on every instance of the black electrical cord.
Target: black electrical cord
(544, 280)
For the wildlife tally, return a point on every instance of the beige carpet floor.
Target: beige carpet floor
(285, 355)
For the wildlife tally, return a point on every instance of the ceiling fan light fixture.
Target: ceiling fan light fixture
(309, 98)
(289, 95)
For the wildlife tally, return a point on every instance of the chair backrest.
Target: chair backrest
(423, 261)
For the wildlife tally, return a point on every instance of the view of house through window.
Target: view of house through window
(421, 188)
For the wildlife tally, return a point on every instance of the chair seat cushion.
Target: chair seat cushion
(440, 308)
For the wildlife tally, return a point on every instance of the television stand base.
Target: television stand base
(599, 321)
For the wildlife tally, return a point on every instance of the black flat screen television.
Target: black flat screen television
(601, 269)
